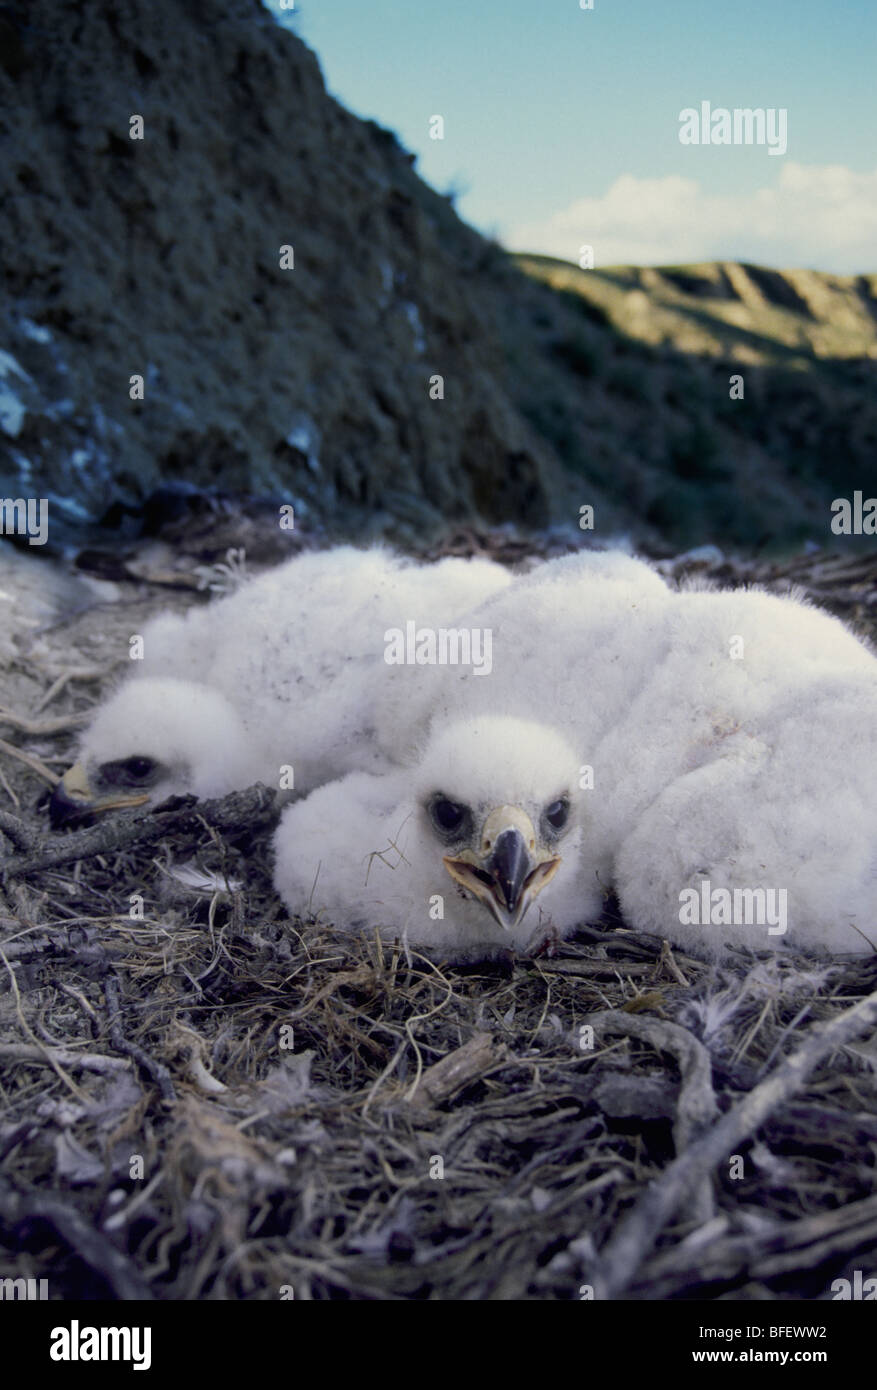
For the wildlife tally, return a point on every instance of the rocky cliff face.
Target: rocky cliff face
(161, 258)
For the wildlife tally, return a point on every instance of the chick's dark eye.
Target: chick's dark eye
(138, 768)
(557, 814)
(129, 772)
(448, 815)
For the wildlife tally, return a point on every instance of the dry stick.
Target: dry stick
(458, 1069)
(854, 1124)
(813, 1239)
(44, 727)
(159, 1073)
(252, 808)
(696, 1108)
(18, 1135)
(64, 1056)
(9, 790)
(667, 958)
(30, 760)
(26, 1028)
(93, 1248)
(640, 1228)
(697, 1103)
(597, 967)
(20, 834)
(86, 673)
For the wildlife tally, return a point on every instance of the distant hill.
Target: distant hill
(312, 385)
(782, 318)
(633, 386)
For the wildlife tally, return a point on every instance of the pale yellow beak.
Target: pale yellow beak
(73, 800)
(508, 871)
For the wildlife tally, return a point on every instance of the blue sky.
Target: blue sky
(562, 124)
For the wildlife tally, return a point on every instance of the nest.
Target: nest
(203, 1099)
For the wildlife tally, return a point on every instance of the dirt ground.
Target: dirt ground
(212, 1101)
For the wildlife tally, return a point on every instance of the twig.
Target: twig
(782, 1249)
(595, 967)
(45, 727)
(123, 1217)
(26, 1028)
(192, 1045)
(64, 1056)
(853, 1125)
(458, 1069)
(667, 958)
(640, 1228)
(32, 761)
(21, 1132)
(20, 834)
(159, 1073)
(92, 1247)
(696, 1107)
(10, 792)
(257, 806)
(73, 673)
(421, 1018)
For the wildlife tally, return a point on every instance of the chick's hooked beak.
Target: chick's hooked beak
(73, 802)
(509, 870)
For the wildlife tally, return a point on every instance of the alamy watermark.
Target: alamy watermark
(722, 907)
(27, 1290)
(28, 516)
(444, 646)
(743, 125)
(77, 1343)
(856, 518)
(858, 1288)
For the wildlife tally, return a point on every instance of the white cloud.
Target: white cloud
(824, 217)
